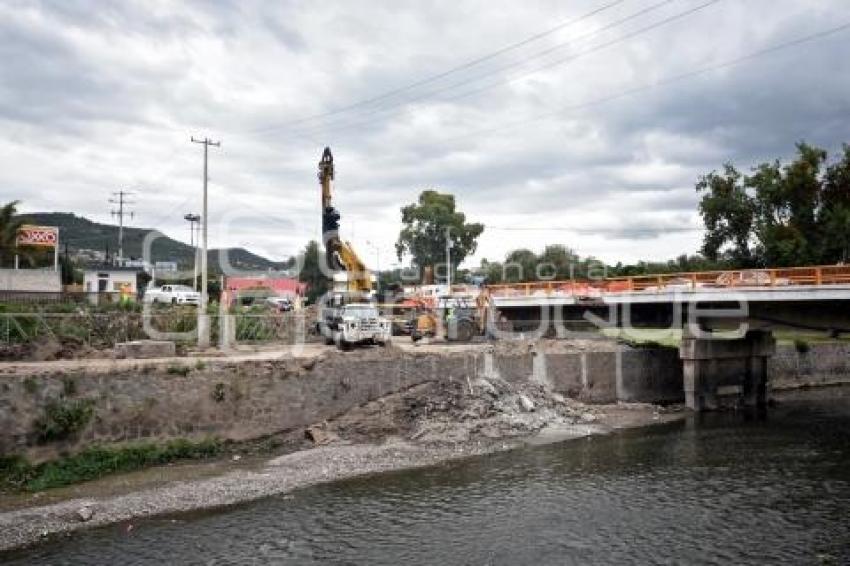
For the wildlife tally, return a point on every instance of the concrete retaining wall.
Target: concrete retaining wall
(32, 280)
(139, 400)
(821, 364)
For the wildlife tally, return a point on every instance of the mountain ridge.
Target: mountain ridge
(81, 234)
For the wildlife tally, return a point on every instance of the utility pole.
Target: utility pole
(120, 198)
(203, 318)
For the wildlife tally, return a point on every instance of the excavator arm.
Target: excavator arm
(340, 255)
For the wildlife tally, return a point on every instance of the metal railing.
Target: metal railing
(820, 275)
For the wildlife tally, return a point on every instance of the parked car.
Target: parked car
(280, 304)
(173, 294)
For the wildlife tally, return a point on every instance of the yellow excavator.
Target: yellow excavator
(453, 318)
(339, 254)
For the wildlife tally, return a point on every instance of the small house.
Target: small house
(110, 279)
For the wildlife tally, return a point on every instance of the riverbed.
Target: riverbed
(721, 488)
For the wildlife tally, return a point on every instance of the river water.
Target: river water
(716, 489)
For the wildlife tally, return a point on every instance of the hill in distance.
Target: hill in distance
(82, 234)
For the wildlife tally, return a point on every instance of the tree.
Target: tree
(520, 265)
(10, 223)
(787, 200)
(426, 225)
(311, 271)
(727, 211)
(558, 262)
(780, 215)
(835, 215)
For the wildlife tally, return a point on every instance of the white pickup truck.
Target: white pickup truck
(173, 294)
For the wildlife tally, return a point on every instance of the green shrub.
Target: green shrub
(69, 386)
(178, 370)
(30, 385)
(97, 461)
(219, 394)
(63, 419)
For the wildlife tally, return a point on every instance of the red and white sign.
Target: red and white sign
(43, 236)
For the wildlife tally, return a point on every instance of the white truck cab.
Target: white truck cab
(355, 323)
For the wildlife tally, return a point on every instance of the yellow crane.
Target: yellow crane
(339, 254)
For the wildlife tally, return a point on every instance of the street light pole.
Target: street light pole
(193, 219)
(203, 318)
(448, 261)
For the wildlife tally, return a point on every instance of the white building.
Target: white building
(109, 279)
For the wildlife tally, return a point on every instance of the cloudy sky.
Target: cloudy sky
(581, 122)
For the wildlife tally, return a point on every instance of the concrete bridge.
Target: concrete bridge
(727, 318)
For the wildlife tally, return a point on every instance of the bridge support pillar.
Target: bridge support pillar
(720, 372)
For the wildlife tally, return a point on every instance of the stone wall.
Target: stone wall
(239, 400)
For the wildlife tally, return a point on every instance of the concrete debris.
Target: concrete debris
(85, 514)
(526, 403)
(486, 386)
(319, 435)
(457, 411)
(588, 417)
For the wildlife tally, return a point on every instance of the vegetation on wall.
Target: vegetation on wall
(63, 419)
(16, 474)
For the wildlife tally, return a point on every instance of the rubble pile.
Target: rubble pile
(456, 411)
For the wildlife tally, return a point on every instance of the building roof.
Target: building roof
(110, 267)
(281, 285)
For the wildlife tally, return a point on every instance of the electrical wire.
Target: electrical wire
(664, 82)
(549, 65)
(451, 71)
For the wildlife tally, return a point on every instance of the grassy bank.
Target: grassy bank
(16, 474)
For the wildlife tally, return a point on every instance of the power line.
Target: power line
(593, 49)
(664, 82)
(549, 65)
(120, 198)
(451, 71)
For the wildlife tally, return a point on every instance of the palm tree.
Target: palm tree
(10, 223)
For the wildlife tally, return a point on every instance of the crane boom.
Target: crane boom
(340, 255)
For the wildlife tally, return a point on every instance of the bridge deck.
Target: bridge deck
(820, 283)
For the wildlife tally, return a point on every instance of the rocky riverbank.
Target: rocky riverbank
(425, 425)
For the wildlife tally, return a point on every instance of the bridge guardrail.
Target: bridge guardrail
(820, 275)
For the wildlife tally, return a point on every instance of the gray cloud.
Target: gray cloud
(96, 97)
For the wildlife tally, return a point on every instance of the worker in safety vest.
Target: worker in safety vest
(126, 294)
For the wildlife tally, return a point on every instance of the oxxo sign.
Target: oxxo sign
(43, 236)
